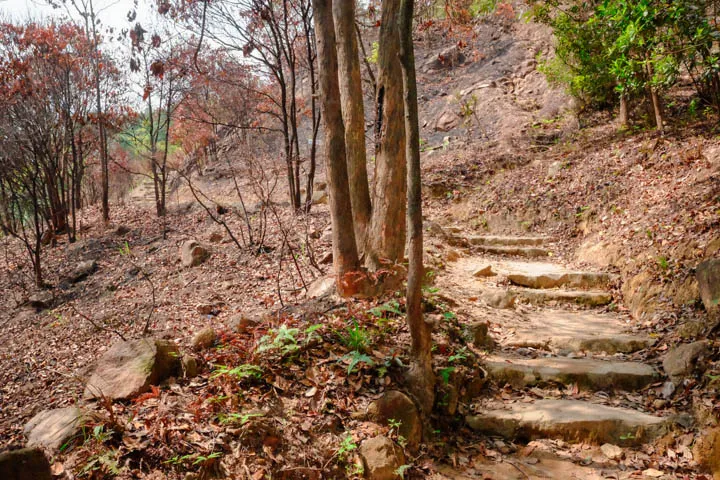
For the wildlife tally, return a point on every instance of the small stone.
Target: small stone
(652, 473)
(381, 458)
(320, 197)
(52, 428)
(241, 324)
(452, 256)
(189, 366)
(120, 230)
(203, 339)
(659, 404)
(554, 169)
(613, 452)
(207, 309)
(395, 405)
(685, 360)
(322, 287)
(485, 271)
(193, 253)
(82, 271)
(481, 336)
(326, 259)
(24, 464)
(41, 300)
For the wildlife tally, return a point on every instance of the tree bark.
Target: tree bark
(420, 375)
(623, 117)
(386, 233)
(345, 256)
(353, 112)
(655, 98)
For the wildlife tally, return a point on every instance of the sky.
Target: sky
(112, 13)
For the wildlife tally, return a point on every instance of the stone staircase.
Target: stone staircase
(144, 192)
(551, 339)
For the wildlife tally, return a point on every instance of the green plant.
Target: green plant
(400, 471)
(663, 263)
(445, 374)
(391, 307)
(240, 372)
(347, 445)
(238, 418)
(356, 358)
(482, 7)
(356, 337)
(105, 462)
(283, 339)
(374, 52)
(460, 355)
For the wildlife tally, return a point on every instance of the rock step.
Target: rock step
(588, 374)
(579, 297)
(502, 241)
(575, 332)
(581, 280)
(516, 251)
(570, 420)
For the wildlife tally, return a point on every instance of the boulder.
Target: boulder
(51, 429)
(395, 405)
(82, 271)
(130, 367)
(485, 271)
(381, 458)
(204, 339)
(193, 253)
(24, 464)
(681, 362)
(708, 277)
(41, 300)
(706, 451)
(322, 287)
(613, 452)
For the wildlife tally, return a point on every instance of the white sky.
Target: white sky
(112, 13)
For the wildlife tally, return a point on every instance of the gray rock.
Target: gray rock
(82, 271)
(481, 336)
(130, 367)
(554, 169)
(381, 458)
(41, 300)
(24, 464)
(685, 360)
(320, 197)
(708, 277)
(448, 58)
(242, 323)
(397, 406)
(193, 253)
(51, 429)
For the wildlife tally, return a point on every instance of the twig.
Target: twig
(94, 324)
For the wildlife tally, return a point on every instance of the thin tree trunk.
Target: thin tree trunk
(420, 375)
(654, 97)
(353, 112)
(345, 256)
(386, 233)
(623, 117)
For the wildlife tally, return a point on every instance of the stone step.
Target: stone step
(570, 420)
(502, 241)
(567, 332)
(587, 373)
(516, 251)
(588, 298)
(581, 280)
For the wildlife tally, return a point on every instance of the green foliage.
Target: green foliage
(237, 418)
(373, 57)
(346, 446)
(240, 372)
(285, 340)
(483, 7)
(612, 48)
(356, 337)
(356, 358)
(391, 307)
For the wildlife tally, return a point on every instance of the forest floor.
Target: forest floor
(509, 157)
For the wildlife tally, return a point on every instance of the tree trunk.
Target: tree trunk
(420, 375)
(386, 233)
(655, 98)
(353, 112)
(345, 256)
(623, 117)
